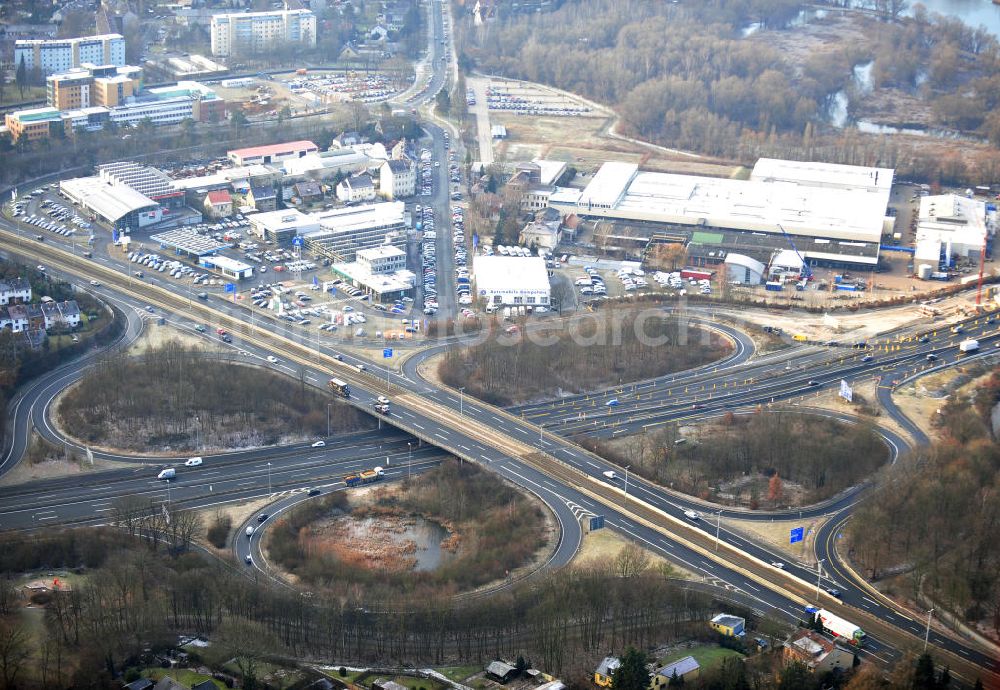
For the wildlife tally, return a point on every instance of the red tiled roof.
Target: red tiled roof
(220, 196)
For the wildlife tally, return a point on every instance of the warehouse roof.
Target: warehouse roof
(838, 202)
(504, 273)
(110, 202)
(823, 174)
(285, 148)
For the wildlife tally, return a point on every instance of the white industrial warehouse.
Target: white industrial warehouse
(508, 280)
(839, 209)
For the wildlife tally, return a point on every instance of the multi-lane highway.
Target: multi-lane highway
(508, 445)
(533, 455)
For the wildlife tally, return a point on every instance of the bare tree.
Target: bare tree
(15, 650)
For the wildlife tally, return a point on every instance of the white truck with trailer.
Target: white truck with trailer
(838, 627)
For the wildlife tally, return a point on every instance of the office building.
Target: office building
(506, 280)
(61, 54)
(92, 85)
(344, 231)
(253, 33)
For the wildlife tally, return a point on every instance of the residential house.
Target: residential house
(347, 139)
(731, 626)
(66, 314)
(397, 179)
(501, 671)
(816, 652)
(602, 675)
(307, 192)
(570, 225)
(543, 234)
(15, 291)
(168, 683)
(219, 203)
(356, 189)
(262, 197)
(398, 150)
(141, 684)
(685, 669)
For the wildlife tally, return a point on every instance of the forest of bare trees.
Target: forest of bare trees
(179, 398)
(133, 598)
(609, 349)
(933, 520)
(823, 456)
(683, 76)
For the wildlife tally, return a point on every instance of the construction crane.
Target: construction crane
(806, 271)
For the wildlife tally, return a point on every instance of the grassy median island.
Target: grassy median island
(449, 530)
(172, 398)
(599, 351)
(767, 459)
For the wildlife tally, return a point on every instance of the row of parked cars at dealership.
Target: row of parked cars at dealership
(463, 285)
(428, 252)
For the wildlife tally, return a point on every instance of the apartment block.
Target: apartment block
(62, 54)
(250, 33)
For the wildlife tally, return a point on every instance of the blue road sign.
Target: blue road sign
(315, 280)
(795, 535)
(596, 522)
(387, 353)
(230, 287)
(296, 241)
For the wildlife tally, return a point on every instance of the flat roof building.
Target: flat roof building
(507, 280)
(956, 222)
(281, 226)
(61, 54)
(227, 267)
(343, 231)
(271, 153)
(118, 205)
(841, 205)
(254, 33)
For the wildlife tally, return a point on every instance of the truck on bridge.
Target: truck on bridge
(364, 476)
(340, 387)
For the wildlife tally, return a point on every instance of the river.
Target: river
(972, 12)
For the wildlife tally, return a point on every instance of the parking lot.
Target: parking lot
(48, 214)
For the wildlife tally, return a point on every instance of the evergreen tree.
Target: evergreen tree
(944, 680)
(924, 677)
(21, 76)
(675, 680)
(631, 674)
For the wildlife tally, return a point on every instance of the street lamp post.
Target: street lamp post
(461, 401)
(409, 458)
(718, 521)
(328, 419)
(927, 633)
(819, 576)
(269, 479)
(626, 483)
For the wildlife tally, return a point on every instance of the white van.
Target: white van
(192, 462)
(167, 474)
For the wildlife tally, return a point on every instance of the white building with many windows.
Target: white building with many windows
(385, 259)
(397, 179)
(252, 33)
(61, 54)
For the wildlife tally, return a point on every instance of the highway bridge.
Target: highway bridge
(561, 473)
(527, 446)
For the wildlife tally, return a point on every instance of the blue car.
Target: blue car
(612, 403)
